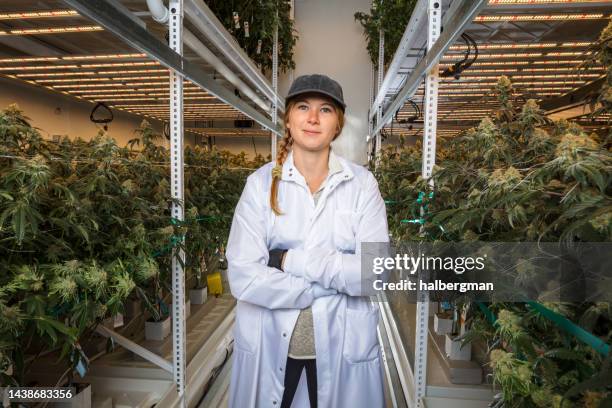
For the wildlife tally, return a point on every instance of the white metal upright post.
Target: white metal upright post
(434, 12)
(177, 193)
(275, 87)
(381, 69)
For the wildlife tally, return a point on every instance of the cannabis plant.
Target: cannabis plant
(517, 177)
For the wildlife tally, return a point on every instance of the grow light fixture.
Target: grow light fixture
(134, 71)
(539, 17)
(55, 74)
(39, 67)
(498, 2)
(532, 70)
(52, 30)
(71, 86)
(56, 81)
(94, 91)
(28, 59)
(115, 98)
(96, 79)
(146, 83)
(523, 45)
(71, 58)
(505, 55)
(111, 95)
(103, 56)
(38, 14)
(121, 64)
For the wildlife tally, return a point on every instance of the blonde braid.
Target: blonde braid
(277, 171)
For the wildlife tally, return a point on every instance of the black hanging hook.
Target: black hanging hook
(104, 120)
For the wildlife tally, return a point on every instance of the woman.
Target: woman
(304, 334)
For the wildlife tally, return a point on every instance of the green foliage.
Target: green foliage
(86, 224)
(262, 16)
(517, 177)
(390, 16)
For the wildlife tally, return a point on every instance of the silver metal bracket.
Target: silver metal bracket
(178, 199)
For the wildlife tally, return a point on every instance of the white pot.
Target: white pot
(82, 399)
(442, 324)
(198, 296)
(454, 351)
(157, 330)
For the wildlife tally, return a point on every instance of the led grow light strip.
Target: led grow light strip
(113, 95)
(71, 58)
(539, 17)
(572, 62)
(134, 71)
(527, 70)
(121, 64)
(94, 91)
(521, 46)
(505, 55)
(123, 99)
(28, 59)
(75, 86)
(64, 80)
(521, 55)
(45, 67)
(38, 14)
(191, 105)
(466, 84)
(55, 74)
(34, 68)
(52, 30)
(498, 2)
(103, 56)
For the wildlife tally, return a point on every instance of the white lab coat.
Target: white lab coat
(324, 252)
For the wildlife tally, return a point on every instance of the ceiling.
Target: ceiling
(47, 44)
(539, 44)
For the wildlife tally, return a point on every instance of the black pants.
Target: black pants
(292, 378)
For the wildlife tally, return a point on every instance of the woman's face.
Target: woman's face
(313, 123)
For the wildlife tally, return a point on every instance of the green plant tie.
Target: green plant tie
(488, 313)
(588, 338)
(174, 241)
(176, 221)
(414, 221)
(562, 322)
(422, 220)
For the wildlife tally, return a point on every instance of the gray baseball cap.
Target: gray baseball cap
(317, 83)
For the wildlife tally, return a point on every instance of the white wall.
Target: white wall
(57, 114)
(331, 42)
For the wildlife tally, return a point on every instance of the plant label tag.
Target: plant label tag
(81, 368)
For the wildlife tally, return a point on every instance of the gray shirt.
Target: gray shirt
(302, 344)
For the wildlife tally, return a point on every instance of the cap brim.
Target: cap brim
(318, 91)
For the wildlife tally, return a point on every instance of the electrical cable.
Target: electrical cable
(457, 68)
